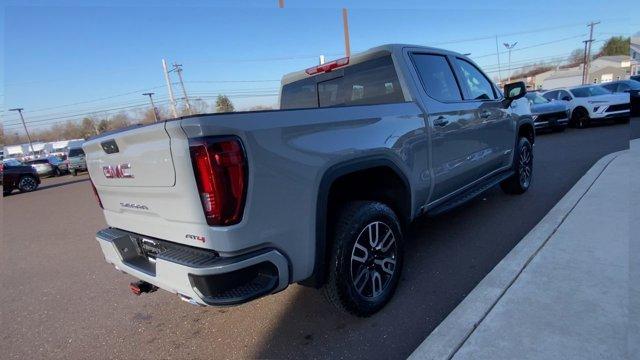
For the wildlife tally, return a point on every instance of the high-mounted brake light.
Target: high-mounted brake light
(219, 165)
(326, 67)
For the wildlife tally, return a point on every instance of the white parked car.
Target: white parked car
(589, 103)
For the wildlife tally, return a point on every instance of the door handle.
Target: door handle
(440, 121)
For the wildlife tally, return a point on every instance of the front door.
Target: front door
(459, 153)
(496, 125)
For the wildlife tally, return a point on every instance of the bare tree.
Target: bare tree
(576, 57)
(223, 104)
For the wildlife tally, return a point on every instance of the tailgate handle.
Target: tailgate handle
(110, 146)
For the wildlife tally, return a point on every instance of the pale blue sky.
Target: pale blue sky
(56, 56)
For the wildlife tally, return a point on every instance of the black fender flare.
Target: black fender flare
(318, 276)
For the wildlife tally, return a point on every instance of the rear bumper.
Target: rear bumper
(198, 276)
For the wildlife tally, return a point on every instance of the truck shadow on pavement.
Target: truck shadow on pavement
(443, 262)
(55, 185)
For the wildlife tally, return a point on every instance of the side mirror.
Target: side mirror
(515, 90)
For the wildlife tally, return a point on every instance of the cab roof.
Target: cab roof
(367, 55)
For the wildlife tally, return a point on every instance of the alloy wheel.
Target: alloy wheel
(373, 260)
(27, 184)
(525, 169)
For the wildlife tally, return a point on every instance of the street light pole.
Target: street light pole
(509, 47)
(19, 110)
(345, 26)
(153, 106)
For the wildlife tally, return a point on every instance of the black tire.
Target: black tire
(520, 181)
(580, 118)
(74, 172)
(351, 265)
(27, 183)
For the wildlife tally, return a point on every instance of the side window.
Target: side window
(477, 85)
(551, 95)
(437, 77)
(622, 87)
(610, 87)
(564, 95)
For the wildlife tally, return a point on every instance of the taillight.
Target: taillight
(95, 192)
(326, 67)
(220, 169)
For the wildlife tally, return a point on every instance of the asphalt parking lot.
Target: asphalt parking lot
(61, 300)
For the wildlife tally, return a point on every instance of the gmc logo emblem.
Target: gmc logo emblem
(122, 171)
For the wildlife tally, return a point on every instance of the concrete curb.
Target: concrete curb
(450, 335)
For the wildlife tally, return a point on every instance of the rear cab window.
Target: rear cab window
(370, 82)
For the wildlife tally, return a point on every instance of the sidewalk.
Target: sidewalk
(569, 289)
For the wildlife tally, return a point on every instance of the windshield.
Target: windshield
(535, 98)
(76, 152)
(11, 162)
(633, 85)
(55, 160)
(589, 91)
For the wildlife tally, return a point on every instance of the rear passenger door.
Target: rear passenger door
(456, 136)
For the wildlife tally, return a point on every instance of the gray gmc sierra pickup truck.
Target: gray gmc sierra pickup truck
(224, 208)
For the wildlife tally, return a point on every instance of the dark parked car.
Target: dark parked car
(16, 175)
(76, 161)
(553, 115)
(629, 86)
(635, 77)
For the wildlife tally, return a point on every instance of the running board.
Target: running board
(469, 194)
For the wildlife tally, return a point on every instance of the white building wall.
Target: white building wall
(553, 83)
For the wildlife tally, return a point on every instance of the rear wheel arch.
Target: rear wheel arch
(332, 192)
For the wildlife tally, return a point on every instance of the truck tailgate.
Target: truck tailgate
(141, 158)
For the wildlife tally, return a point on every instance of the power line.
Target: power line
(530, 46)
(507, 34)
(138, 105)
(136, 100)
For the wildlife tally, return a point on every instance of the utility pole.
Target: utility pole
(584, 63)
(498, 55)
(19, 110)
(345, 25)
(178, 69)
(509, 47)
(172, 100)
(153, 106)
(588, 43)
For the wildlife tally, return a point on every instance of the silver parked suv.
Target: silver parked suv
(224, 208)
